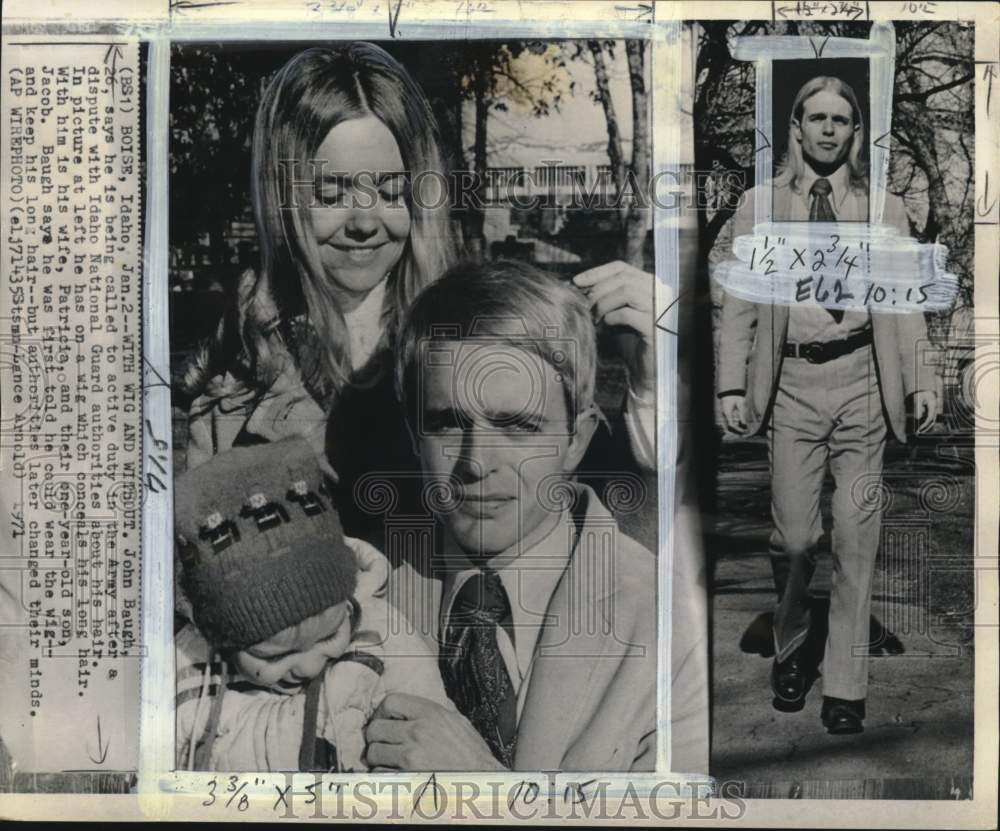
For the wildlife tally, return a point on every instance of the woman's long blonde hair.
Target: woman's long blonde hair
(310, 95)
(792, 166)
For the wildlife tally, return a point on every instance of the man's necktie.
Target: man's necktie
(472, 668)
(822, 211)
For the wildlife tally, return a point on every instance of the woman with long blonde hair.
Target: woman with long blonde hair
(346, 243)
(351, 212)
(315, 92)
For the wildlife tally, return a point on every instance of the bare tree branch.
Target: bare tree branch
(927, 93)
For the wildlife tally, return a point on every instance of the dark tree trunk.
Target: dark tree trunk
(615, 154)
(638, 212)
(475, 238)
(714, 60)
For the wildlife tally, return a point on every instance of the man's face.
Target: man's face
(826, 129)
(495, 424)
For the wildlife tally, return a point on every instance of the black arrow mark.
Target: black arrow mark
(643, 11)
(989, 74)
(394, 18)
(767, 142)
(986, 211)
(148, 368)
(659, 321)
(882, 146)
(114, 52)
(102, 751)
(822, 46)
(180, 5)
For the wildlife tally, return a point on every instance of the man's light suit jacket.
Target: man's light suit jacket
(591, 698)
(758, 331)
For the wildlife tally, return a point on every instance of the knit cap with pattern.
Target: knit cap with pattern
(261, 545)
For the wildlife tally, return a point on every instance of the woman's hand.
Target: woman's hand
(622, 296)
(373, 569)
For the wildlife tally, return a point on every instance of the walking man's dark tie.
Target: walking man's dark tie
(822, 211)
(472, 668)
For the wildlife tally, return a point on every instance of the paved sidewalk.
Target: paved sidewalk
(918, 731)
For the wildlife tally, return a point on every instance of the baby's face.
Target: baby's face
(287, 661)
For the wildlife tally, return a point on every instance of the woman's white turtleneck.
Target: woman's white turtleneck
(364, 325)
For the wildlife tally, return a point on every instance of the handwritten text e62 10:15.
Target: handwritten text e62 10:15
(839, 293)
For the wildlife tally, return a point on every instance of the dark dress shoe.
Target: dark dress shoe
(790, 682)
(842, 717)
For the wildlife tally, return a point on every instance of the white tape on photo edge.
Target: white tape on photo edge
(882, 70)
(910, 276)
(156, 735)
(666, 65)
(681, 599)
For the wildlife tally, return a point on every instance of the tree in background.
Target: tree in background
(629, 178)
(215, 89)
(528, 75)
(213, 98)
(933, 136)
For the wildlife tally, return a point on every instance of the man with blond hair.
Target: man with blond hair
(825, 385)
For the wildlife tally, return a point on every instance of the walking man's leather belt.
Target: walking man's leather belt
(819, 352)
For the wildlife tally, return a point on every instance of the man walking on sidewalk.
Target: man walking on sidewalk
(826, 385)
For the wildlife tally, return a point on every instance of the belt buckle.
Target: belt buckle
(814, 352)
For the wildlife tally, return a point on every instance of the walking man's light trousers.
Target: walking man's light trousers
(827, 416)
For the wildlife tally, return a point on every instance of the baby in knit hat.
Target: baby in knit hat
(291, 650)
